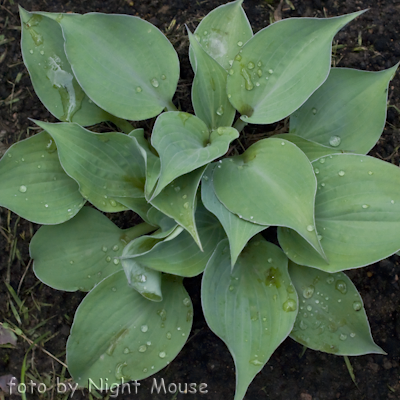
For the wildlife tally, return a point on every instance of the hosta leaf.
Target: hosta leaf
(253, 308)
(42, 46)
(311, 149)
(34, 185)
(105, 165)
(152, 161)
(263, 186)
(78, 254)
(178, 201)
(281, 66)
(238, 230)
(209, 98)
(331, 316)
(223, 31)
(134, 338)
(185, 144)
(357, 214)
(348, 112)
(181, 255)
(146, 281)
(132, 70)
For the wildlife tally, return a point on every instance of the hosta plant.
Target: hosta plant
(335, 208)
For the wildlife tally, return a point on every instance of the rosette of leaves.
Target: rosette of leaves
(335, 207)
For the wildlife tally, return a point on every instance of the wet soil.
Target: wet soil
(371, 42)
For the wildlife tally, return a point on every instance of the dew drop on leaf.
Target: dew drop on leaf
(162, 354)
(142, 348)
(144, 328)
(308, 292)
(314, 111)
(341, 173)
(289, 305)
(310, 228)
(334, 141)
(138, 89)
(154, 83)
(341, 286)
(250, 65)
(22, 189)
(357, 306)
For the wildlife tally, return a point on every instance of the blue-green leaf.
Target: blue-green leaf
(331, 316)
(34, 185)
(253, 308)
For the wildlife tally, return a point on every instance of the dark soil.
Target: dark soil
(371, 42)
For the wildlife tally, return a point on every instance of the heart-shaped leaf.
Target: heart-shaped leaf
(178, 201)
(105, 165)
(78, 254)
(131, 63)
(34, 185)
(134, 338)
(348, 112)
(331, 317)
(238, 230)
(179, 254)
(281, 66)
(42, 46)
(253, 308)
(263, 187)
(209, 98)
(357, 214)
(185, 144)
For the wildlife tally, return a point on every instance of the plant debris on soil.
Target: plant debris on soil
(41, 317)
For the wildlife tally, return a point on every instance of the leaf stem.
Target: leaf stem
(171, 106)
(122, 124)
(239, 125)
(138, 230)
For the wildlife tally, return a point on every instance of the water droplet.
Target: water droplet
(138, 89)
(316, 170)
(341, 173)
(186, 205)
(240, 44)
(220, 110)
(113, 203)
(342, 336)
(116, 261)
(308, 292)
(256, 362)
(154, 83)
(322, 160)
(161, 354)
(250, 65)
(114, 289)
(370, 172)
(205, 33)
(269, 260)
(41, 52)
(142, 348)
(289, 305)
(392, 201)
(22, 189)
(259, 73)
(197, 36)
(39, 166)
(108, 259)
(31, 51)
(126, 350)
(231, 72)
(341, 286)
(357, 306)
(186, 301)
(248, 83)
(238, 57)
(9, 155)
(118, 370)
(283, 143)
(310, 228)
(334, 141)
(144, 328)
(270, 71)
(314, 111)
(169, 335)
(163, 77)
(231, 288)
(115, 248)
(177, 188)
(302, 325)
(352, 334)
(46, 205)
(163, 314)
(365, 206)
